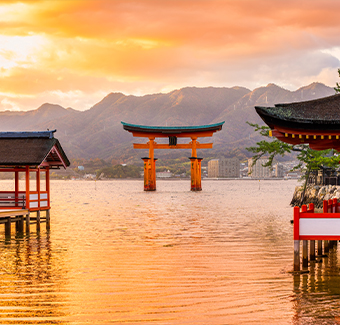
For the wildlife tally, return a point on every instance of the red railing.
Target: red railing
(12, 200)
(38, 201)
(309, 225)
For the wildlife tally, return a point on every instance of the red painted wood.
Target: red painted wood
(319, 215)
(332, 237)
(296, 223)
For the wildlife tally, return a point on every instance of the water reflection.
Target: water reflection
(316, 295)
(117, 255)
(32, 281)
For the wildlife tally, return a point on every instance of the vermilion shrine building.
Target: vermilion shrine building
(27, 154)
(314, 122)
(172, 133)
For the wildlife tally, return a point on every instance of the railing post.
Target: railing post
(312, 242)
(333, 243)
(325, 210)
(296, 239)
(304, 245)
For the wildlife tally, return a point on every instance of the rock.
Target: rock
(327, 197)
(322, 191)
(332, 189)
(315, 194)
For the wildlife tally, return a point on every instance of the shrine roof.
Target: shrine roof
(318, 114)
(31, 149)
(172, 129)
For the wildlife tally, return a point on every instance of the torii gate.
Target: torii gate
(172, 132)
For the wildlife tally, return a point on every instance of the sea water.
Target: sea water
(118, 255)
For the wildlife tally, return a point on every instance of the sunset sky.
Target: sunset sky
(75, 52)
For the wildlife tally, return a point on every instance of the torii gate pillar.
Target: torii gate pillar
(195, 170)
(150, 167)
(196, 175)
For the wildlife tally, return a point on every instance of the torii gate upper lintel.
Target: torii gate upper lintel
(172, 132)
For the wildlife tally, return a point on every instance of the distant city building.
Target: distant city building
(244, 170)
(213, 168)
(258, 170)
(165, 174)
(90, 176)
(279, 170)
(224, 167)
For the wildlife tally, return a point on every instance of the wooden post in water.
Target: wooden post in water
(38, 221)
(28, 220)
(19, 224)
(305, 254)
(296, 240)
(326, 248)
(312, 250)
(8, 227)
(48, 220)
(319, 247)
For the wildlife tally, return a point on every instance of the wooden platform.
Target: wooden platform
(21, 217)
(12, 213)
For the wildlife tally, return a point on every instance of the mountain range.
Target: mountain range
(98, 133)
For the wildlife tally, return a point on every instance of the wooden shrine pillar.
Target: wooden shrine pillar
(38, 185)
(16, 181)
(47, 178)
(27, 178)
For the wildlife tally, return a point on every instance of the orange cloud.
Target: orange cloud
(78, 46)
